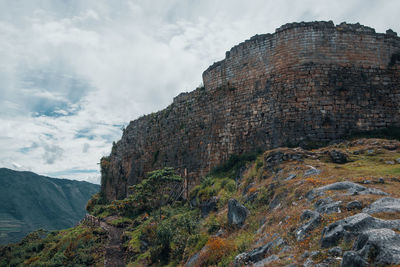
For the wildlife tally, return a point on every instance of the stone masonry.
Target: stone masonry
(307, 82)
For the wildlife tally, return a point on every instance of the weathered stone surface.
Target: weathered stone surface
(327, 205)
(266, 261)
(311, 171)
(313, 219)
(381, 246)
(259, 253)
(335, 252)
(354, 205)
(307, 82)
(387, 204)
(352, 189)
(308, 263)
(353, 226)
(290, 177)
(237, 213)
(338, 156)
(352, 259)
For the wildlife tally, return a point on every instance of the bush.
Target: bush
(217, 249)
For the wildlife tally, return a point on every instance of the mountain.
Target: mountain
(29, 201)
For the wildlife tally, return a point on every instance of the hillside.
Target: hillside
(29, 202)
(336, 205)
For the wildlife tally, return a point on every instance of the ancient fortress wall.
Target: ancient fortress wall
(307, 82)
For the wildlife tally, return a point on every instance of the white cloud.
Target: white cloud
(72, 72)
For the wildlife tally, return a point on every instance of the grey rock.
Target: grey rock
(390, 162)
(259, 253)
(352, 259)
(327, 205)
(338, 157)
(382, 246)
(266, 261)
(308, 263)
(208, 206)
(398, 160)
(335, 252)
(354, 205)
(387, 204)
(290, 177)
(352, 189)
(313, 220)
(237, 213)
(276, 201)
(353, 226)
(306, 254)
(311, 171)
(314, 254)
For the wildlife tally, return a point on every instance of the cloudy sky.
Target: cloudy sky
(74, 72)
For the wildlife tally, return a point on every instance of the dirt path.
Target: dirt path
(115, 256)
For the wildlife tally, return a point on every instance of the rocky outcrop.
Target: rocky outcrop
(296, 86)
(350, 187)
(352, 227)
(313, 220)
(386, 204)
(237, 213)
(338, 157)
(258, 255)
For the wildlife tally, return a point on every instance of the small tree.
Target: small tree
(159, 188)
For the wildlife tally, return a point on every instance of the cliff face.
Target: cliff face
(306, 82)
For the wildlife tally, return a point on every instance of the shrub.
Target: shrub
(217, 249)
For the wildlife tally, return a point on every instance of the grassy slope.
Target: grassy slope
(29, 202)
(182, 232)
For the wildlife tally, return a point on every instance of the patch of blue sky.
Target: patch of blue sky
(53, 91)
(84, 133)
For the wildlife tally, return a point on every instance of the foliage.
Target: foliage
(217, 249)
(77, 246)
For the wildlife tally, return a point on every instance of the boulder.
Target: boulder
(266, 261)
(352, 189)
(352, 259)
(353, 226)
(258, 254)
(311, 171)
(327, 205)
(313, 219)
(237, 213)
(353, 205)
(338, 157)
(290, 177)
(387, 204)
(335, 251)
(381, 246)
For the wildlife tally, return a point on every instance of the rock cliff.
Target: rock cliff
(307, 82)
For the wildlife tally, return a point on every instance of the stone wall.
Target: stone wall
(306, 82)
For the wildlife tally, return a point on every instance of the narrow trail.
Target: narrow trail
(114, 256)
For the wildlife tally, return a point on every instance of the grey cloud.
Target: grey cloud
(52, 153)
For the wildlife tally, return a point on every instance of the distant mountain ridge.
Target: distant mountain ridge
(29, 201)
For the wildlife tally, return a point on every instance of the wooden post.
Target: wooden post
(186, 185)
